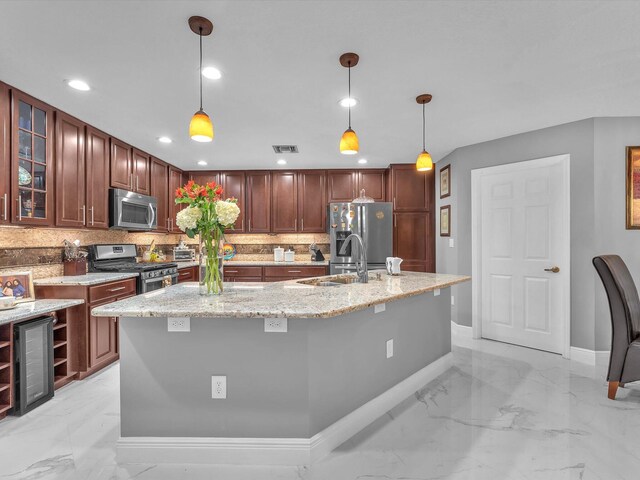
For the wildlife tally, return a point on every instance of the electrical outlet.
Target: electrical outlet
(451, 243)
(179, 324)
(390, 348)
(219, 387)
(436, 292)
(453, 302)
(381, 307)
(275, 325)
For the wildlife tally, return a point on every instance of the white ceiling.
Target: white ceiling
(495, 68)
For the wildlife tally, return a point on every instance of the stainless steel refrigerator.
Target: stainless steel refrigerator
(372, 221)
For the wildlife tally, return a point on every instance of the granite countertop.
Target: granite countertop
(32, 309)
(288, 299)
(85, 280)
(260, 263)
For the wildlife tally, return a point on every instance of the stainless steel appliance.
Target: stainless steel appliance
(371, 221)
(184, 254)
(122, 258)
(132, 211)
(33, 347)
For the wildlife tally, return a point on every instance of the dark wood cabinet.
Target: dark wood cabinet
(312, 201)
(159, 188)
(259, 202)
(176, 181)
(188, 274)
(140, 171)
(284, 202)
(373, 182)
(70, 172)
(5, 154)
(97, 178)
(103, 342)
(32, 161)
(121, 165)
(233, 185)
(411, 190)
(342, 185)
(202, 178)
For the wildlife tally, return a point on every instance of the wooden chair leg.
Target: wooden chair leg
(613, 388)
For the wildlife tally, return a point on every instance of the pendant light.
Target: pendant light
(201, 128)
(424, 162)
(349, 141)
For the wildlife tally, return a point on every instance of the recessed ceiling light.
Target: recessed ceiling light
(362, 161)
(282, 161)
(202, 162)
(348, 102)
(79, 85)
(212, 73)
(164, 139)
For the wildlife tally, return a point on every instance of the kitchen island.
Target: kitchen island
(306, 366)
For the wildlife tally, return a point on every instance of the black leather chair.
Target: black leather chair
(624, 304)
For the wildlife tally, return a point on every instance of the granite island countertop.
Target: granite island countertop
(288, 299)
(85, 280)
(32, 309)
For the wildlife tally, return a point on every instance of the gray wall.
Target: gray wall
(597, 149)
(279, 385)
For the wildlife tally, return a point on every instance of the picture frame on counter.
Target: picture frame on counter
(445, 221)
(633, 188)
(445, 181)
(18, 285)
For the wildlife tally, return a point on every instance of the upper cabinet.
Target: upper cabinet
(233, 185)
(159, 187)
(129, 168)
(32, 131)
(97, 178)
(259, 202)
(5, 154)
(342, 185)
(373, 183)
(410, 190)
(176, 180)
(312, 201)
(202, 178)
(70, 172)
(284, 202)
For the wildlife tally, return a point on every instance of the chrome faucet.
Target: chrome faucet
(361, 264)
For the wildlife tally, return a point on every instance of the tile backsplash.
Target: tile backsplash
(40, 249)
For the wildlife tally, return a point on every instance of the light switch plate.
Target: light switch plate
(275, 325)
(178, 324)
(390, 348)
(451, 243)
(381, 307)
(436, 292)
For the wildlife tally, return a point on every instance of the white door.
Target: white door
(525, 253)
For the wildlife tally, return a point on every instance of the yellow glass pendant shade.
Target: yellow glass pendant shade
(349, 142)
(201, 128)
(424, 162)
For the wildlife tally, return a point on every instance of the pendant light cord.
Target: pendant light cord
(423, 129)
(349, 63)
(200, 72)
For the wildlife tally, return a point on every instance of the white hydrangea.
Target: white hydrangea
(227, 212)
(188, 218)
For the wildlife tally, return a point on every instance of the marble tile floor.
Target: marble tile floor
(502, 412)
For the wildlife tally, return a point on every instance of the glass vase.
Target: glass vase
(210, 273)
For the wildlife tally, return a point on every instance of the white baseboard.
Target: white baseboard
(275, 451)
(461, 330)
(590, 357)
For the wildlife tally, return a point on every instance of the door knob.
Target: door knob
(552, 270)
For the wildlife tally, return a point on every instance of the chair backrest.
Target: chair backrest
(624, 305)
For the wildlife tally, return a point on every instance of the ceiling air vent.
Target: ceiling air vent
(285, 148)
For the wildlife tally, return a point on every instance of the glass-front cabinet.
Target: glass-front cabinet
(31, 160)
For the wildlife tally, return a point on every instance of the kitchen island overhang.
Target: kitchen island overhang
(291, 397)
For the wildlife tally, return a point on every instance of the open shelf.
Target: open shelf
(59, 343)
(6, 368)
(59, 361)
(4, 343)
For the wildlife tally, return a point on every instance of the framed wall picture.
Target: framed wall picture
(445, 181)
(445, 221)
(633, 188)
(18, 285)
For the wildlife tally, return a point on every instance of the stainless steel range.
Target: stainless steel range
(122, 258)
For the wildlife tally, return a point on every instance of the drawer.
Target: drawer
(234, 271)
(295, 272)
(187, 274)
(121, 288)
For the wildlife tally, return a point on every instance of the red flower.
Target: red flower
(189, 185)
(179, 193)
(218, 190)
(211, 185)
(203, 191)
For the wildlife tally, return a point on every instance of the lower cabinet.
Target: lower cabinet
(103, 338)
(271, 273)
(187, 274)
(242, 274)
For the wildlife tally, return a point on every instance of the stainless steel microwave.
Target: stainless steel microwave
(132, 211)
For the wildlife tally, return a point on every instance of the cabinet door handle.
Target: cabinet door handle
(395, 220)
(294, 271)
(302, 225)
(84, 214)
(394, 202)
(91, 215)
(232, 271)
(137, 183)
(295, 224)
(19, 201)
(117, 289)
(243, 224)
(4, 207)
